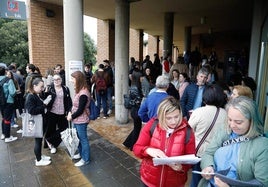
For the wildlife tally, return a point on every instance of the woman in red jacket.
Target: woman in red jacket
(167, 139)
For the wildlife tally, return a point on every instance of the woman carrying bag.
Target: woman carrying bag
(34, 105)
(80, 116)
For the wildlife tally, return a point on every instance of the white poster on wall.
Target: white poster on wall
(75, 66)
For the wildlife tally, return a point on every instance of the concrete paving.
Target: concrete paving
(109, 166)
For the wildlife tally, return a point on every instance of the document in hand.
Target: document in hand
(184, 159)
(233, 182)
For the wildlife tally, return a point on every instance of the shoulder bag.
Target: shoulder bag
(208, 131)
(32, 125)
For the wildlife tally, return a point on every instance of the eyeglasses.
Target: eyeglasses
(58, 79)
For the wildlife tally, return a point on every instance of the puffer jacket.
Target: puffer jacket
(135, 95)
(163, 175)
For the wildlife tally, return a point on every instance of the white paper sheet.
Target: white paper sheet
(184, 159)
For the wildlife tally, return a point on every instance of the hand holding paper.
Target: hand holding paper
(184, 159)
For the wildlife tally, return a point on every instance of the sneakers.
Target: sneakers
(42, 162)
(45, 157)
(2, 137)
(109, 112)
(49, 145)
(77, 156)
(10, 139)
(20, 131)
(81, 163)
(53, 150)
(15, 126)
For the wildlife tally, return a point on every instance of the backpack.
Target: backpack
(188, 132)
(93, 110)
(3, 98)
(101, 86)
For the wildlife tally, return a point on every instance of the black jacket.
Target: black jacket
(67, 101)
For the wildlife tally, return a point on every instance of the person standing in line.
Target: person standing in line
(166, 140)
(100, 79)
(201, 120)
(148, 108)
(183, 83)
(136, 96)
(80, 116)
(174, 78)
(192, 96)
(59, 70)
(35, 105)
(58, 109)
(239, 147)
(110, 85)
(7, 108)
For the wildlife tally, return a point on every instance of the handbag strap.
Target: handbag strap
(208, 131)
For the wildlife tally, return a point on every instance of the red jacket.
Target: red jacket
(163, 175)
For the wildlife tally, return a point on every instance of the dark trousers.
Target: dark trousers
(196, 177)
(6, 112)
(134, 135)
(55, 125)
(38, 148)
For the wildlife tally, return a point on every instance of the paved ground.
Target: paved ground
(111, 164)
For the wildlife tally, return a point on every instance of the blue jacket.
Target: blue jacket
(9, 90)
(188, 98)
(148, 108)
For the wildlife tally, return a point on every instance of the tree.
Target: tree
(89, 49)
(14, 42)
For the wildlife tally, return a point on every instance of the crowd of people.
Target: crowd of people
(224, 121)
(49, 96)
(173, 115)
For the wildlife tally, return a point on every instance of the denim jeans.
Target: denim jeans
(83, 146)
(109, 97)
(102, 102)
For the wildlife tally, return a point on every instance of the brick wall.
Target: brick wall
(46, 37)
(134, 36)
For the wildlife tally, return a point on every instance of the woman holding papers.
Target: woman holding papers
(164, 139)
(239, 146)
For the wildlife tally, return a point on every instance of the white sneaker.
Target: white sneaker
(2, 137)
(49, 145)
(81, 163)
(42, 162)
(109, 112)
(20, 131)
(15, 126)
(77, 156)
(45, 157)
(10, 139)
(53, 150)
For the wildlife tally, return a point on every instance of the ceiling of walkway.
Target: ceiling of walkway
(224, 15)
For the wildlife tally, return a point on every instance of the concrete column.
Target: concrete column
(187, 38)
(121, 58)
(73, 35)
(168, 33)
(141, 45)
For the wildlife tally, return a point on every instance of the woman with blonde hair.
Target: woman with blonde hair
(168, 138)
(239, 147)
(239, 90)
